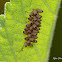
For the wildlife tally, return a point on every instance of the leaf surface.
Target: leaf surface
(13, 23)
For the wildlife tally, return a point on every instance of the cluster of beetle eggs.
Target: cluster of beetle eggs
(33, 28)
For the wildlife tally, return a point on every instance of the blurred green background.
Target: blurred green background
(56, 48)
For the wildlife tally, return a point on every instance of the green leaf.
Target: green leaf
(13, 23)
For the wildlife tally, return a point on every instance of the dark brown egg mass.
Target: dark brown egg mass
(32, 29)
